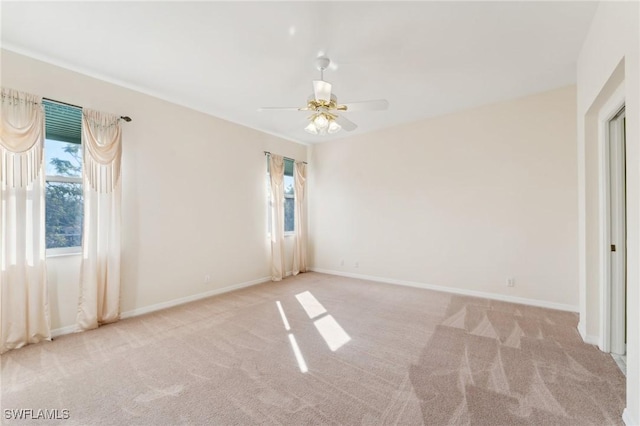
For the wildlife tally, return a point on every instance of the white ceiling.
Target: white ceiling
(230, 58)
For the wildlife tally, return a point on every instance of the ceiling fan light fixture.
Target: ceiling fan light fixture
(311, 128)
(326, 114)
(321, 121)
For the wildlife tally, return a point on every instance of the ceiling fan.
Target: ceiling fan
(326, 117)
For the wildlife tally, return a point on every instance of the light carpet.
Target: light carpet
(368, 353)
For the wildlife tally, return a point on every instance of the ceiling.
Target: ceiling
(230, 58)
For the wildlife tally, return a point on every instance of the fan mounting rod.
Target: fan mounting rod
(322, 63)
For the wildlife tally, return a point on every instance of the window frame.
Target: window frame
(63, 251)
(287, 234)
(291, 196)
(73, 250)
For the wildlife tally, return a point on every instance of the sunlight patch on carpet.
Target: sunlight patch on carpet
(332, 332)
(296, 351)
(312, 307)
(284, 317)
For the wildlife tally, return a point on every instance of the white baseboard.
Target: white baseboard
(464, 292)
(164, 305)
(592, 340)
(587, 338)
(582, 328)
(63, 330)
(626, 418)
(192, 298)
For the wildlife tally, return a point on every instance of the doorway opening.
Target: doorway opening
(614, 314)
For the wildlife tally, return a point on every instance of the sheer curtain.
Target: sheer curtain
(276, 175)
(24, 302)
(100, 274)
(300, 247)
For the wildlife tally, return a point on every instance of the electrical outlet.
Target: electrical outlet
(356, 264)
(207, 278)
(341, 262)
(511, 282)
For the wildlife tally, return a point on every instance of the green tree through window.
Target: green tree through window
(63, 170)
(289, 201)
(64, 207)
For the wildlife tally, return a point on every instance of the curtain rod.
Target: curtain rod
(123, 117)
(286, 158)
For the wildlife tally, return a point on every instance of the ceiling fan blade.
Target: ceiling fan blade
(322, 90)
(375, 105)
(347, 125)
(282, 109)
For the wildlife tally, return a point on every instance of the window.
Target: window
(289, 198)
(63, 172)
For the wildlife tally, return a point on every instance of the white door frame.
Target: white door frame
(612, 298)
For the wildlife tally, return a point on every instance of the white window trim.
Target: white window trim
(64, 251)
(286, 234)
(63, 179)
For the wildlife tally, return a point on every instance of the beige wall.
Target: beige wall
(462, 201)
(610, 55)
(194, 197)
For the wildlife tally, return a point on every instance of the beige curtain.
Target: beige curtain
(100, 274)
(24, 302)
(300, 247)
(276, 175)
